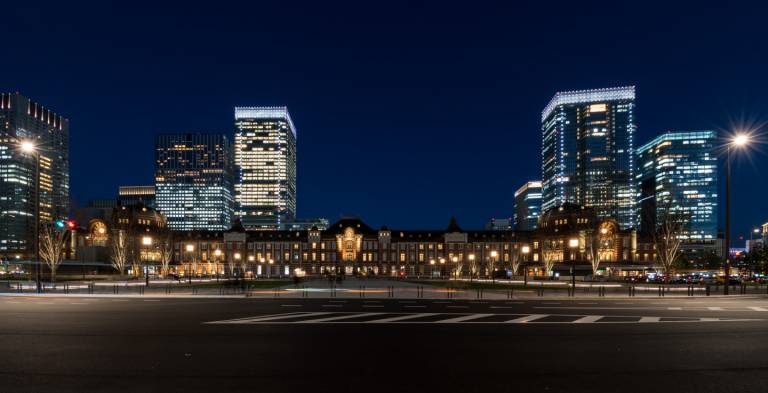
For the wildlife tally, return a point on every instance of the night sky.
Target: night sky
(407, 113)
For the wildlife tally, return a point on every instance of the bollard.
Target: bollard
(707, 289)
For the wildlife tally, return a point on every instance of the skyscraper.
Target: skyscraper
(528, 206)
(193, 181)
(265, 158)
(134, 195)
(677, 171)
(24, 121)
(587, 152)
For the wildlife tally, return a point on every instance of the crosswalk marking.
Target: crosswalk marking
(588, 319)
(759, 308)
(403, 317)
(464, 318)
(527, 318)
(715, 308)
(458, 318)
(340, 317)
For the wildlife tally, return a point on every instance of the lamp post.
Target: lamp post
(442, 263)
(237, 259)
(146, 241)
(432, 268)
(455, 261)
(471, 265)
(30, 148)
(739, 140)
(525, 250)
(573, 244)
(190, 250)
(494, 254)
(216, 256)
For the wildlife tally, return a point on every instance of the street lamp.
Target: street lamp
(190, 250)
(29, 147)
(216, 256)
(738, 141)
(442, 262)
(471, 265)
(237, 258)
(146, 241)
(525, 250)
(455, 261)
(494, 254)
(573, 244)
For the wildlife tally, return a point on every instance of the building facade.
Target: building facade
(677, 172)
(528, 206)
(136, 195)
(265, 158)
(588, 152)
(349, 246)
(194, 181)
(23, 174)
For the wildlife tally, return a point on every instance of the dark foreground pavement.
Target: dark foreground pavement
(325, 345)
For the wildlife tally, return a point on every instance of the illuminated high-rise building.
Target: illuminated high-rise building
(193, 181)
(24, 121)
(588, 152)
(528, 206)
(135, 195)
(265, 161)
(677, 172)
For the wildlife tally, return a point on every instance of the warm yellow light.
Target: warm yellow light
(251, 258)
(603, 231)
(442, 260)
(27, 147)
(471, 257)
(237, 255)
(431, 261)
(741, 139)
(101, 231)
(271, 261)
(526, 249)
(573, 243)
(262, 260)
(146, 240)
(494, 254)
(455, 259)
(190, 248)
(217, 252)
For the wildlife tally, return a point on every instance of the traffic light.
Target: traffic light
(71, 224)
(65, 224)
(60, 224)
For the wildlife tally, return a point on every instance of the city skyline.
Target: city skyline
(408, 115)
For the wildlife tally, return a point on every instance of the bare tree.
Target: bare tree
(515, 260)
(52, 242)
(593, 251)
(671, 224)
(166, 255)
(243, 267)
(119, 251)
(549, 255)
(231, 264)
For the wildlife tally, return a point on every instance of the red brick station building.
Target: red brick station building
(567, 237)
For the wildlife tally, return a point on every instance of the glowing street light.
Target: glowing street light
(739, 140)
(28, 147)
(146, 240)
(525, 250)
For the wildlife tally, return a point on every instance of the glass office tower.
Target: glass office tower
(265, 160)
(528, 206)
(193, 181)
(135, 195)
(587, 152)
(23, 120)
(677, 171)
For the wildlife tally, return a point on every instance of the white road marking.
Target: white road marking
(343, 317)
(402, 318)
(527, 318)
(291, 305)
(674, 308)
(759, 309)
(588, 319)
(340, 317)
(464, 318)
(715, 308)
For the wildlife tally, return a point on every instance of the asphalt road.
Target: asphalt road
(324, 345)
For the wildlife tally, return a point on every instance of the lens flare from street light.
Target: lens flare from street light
(27, 147)
(741, 139)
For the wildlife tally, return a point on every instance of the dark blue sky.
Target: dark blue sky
(407, 112)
